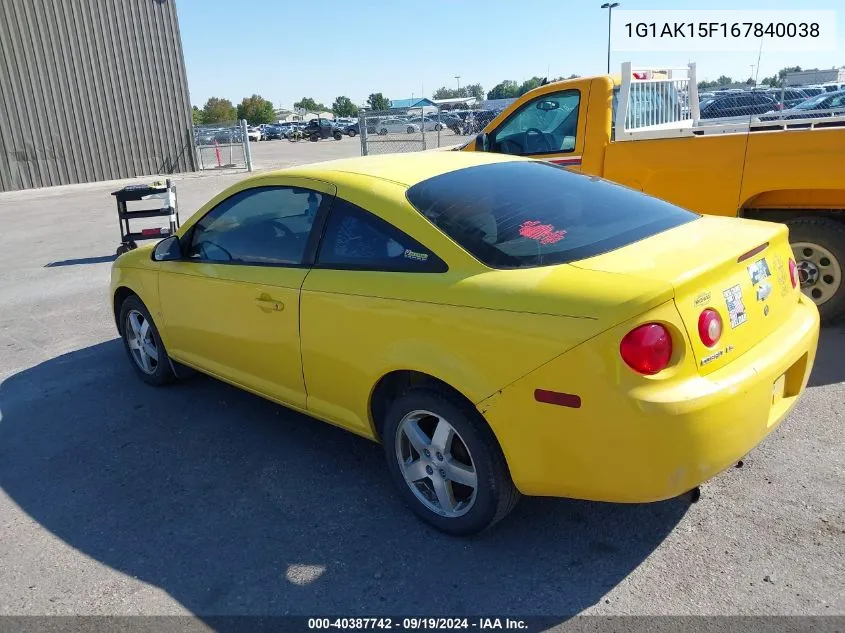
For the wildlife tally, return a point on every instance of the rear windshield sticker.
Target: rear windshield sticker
(759, 270)
(736, 309)
(421, 257)
(543, 233)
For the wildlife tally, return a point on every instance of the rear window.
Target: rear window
(526, 214)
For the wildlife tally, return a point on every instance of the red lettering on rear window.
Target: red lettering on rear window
(543, 233)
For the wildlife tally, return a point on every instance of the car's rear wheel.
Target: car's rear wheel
(437, 127)
(337, 135)
(446, 462)
(143, 343)
(819, 247)
(351, 133)
(410, 129)
(382, 131)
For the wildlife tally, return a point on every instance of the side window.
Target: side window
(356, 239)
(263, 225)
(544, 125)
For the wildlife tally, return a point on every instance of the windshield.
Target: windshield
(523, 214)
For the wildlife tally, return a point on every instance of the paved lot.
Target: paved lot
(118, 498)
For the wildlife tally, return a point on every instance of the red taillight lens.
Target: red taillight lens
(647, 348)
(793, 273)
(710, 327)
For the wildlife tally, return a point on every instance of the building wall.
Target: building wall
(809, 77)
(91, 90)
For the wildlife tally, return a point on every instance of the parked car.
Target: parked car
(355, 128)
(788, 97)
(824, 105)
(735, 105)
(562, 355)
(395, 125)
(206, 136)
(430, 125)
(254, 134)
(320, 128)
(273, 132)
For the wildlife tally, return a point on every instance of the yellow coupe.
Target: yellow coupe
(501, 325)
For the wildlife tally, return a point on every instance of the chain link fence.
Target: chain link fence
(771, 104)
(221, 146)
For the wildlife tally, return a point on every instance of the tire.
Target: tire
(819, 247)
(313, 138)
(410, 130)
(437, 127)
(337, 136)
(383, 131)
(351, 133)
(474, 443)
(161, 371)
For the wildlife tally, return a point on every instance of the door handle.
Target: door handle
(268, 304)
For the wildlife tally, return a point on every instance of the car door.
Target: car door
(231, 305)
(547, 127)
(349, 322)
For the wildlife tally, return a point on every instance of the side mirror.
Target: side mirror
(547, 106)
(482, 142)
(168, 250)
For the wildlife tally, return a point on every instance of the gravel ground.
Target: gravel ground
(118, 498)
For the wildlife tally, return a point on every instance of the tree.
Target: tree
(196, 115)
(474, 90)
(256, 109)
(378, 101)
(445, 92)
(343, 106)
(308, 104)
(508, 89)
(530, 84)
(218, 110)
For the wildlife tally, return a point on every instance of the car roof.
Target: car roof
(405, 169)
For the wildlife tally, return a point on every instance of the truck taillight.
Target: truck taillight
(647, 349)
(793, 273)
(709, 327)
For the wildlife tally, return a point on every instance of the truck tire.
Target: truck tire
(819, 247)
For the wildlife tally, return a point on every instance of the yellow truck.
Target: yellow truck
(642, 129)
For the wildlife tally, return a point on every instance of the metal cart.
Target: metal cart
(134, 193)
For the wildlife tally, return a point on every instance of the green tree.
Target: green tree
(256, 109)
(508, 89)
(343, 106)
(218, 110)
(474, 90)
(196, 115)
(444, 92)
(530, 84)
(310, 105)
(378, 101)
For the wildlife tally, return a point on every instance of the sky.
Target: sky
(285, 51)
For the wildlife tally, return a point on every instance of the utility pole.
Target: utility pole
(609, 6)
(458, 77)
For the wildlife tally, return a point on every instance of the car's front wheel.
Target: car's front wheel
(143, 343)
(351, 133)
(446, 462)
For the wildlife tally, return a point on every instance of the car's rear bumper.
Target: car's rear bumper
(653, 440)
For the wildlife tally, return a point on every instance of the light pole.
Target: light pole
(609, 6)
(458, 77)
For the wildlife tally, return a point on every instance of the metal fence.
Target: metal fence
(222, 146)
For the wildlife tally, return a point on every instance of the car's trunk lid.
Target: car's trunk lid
(738, 268)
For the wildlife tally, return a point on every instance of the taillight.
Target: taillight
(647, 349)
(793, 273)
(778, 106)
(709, 327)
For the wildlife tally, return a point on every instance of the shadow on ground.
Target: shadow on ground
(82, 260)
(829, 367)
(233, 505)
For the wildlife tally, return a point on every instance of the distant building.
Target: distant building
(813, 77)
(404, 104)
